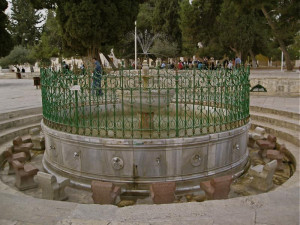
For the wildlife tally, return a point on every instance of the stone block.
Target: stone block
(52, 188)
(272, 138)
(38, 142)
(276, 155)
(263, 176)
(26, 139)
(19, 146)
(217, 188)
(265, 144)
(259, 130)
(256, 136)
(251, 142)
(24, 175)
(283, 149)
(104, 192)
(17, 141)
(34, 131)
(162, 192)
(21, 157)
(38, 139)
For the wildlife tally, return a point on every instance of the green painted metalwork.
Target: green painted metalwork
(163, 104)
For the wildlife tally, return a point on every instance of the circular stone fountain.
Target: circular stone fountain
(148, 126)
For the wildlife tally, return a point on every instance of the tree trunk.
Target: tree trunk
(110, 61)
(93, 52)
(288, 62)
(254, 65)
(237, 53)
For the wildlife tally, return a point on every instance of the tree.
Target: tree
(282, 17)
(165, 20)
(19, 55)
(125, 47)
(90, 26)
(198, 24)
(188, 24)
(5, 38)
(50, 44)
(295, 47)
(145, 16)
(236, 30)
(25, 22)
(165, 49)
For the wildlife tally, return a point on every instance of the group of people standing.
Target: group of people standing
(204, 63)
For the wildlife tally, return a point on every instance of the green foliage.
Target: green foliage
(165, 49)
(282, 17)
(50, 44)
(24, 23)
(236, 30)
(294, 49)
(145, 16)
(188, 25)
(198, 24)
(92, 26)
(5, 38)
(19, 55)
(165, 20)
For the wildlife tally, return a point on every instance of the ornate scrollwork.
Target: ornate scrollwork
(196, 160)
(117, 163)
(237, 147)
(76, 155)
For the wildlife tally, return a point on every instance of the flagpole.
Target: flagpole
(135, 48)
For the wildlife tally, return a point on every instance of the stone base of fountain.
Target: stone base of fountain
(136, 163)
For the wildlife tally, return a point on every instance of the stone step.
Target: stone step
(20, 121)
(20, 113)
(277, 120)
(285, 134)
(11, 133)
(291, 115)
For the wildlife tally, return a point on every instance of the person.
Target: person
(180, 66)
(97, 75)
(163, 65)
(205, 62)
(199, 65)
(65, 66)
(225, 62)
(211, 63)
(237, 62)
(229, 66)
(82, 67)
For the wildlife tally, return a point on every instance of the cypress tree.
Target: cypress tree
(5, 38)
(90, 26)
(165, 20)
(24, 23)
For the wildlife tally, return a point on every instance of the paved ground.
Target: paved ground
(290, 104)
(18, 94)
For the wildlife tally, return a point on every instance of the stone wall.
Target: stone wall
(276, 82)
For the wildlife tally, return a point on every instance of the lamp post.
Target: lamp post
(281, 61)
(135, 48)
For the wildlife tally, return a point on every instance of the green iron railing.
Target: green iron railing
(157, 104)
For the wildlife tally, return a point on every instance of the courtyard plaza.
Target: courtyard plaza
(280, 206)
